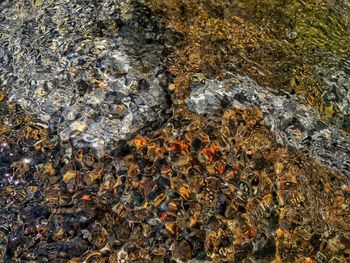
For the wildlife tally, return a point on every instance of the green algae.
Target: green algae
(316, 34)
(309, 30)
(280, 44)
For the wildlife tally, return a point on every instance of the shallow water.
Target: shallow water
(94, 76)
(174, 131)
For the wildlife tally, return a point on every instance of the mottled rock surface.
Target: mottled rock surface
(92, 70)
(103, 165)
(290, 46)
(294, 124)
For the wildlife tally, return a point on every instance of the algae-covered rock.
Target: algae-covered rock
(280, 44)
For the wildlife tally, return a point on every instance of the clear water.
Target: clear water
(174, 131)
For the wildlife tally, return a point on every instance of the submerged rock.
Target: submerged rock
(92, 70)
(284, 45)
(216, 188)
(294, 124)
(336, 95)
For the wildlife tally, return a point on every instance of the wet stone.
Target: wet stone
(283, 45)
(294, 124)
(97, 78)
(239, 182)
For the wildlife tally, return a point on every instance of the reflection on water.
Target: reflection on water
(91, 70)
(174, 131)
(297, 46)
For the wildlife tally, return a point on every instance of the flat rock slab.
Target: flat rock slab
(294, 124)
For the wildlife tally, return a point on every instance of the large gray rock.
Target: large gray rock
(92, 70)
